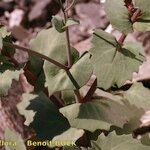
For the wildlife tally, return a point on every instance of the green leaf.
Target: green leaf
(58, 23)
(143, 5)
(17, 141)
(98, 114)
(118, 15)
(114, 142)
(142, 26)
(43, 116)
(71, 22)
(53, 44)
(71, 134)
(113, 65)
(58, 80)
(6, 80)
(143, 22)
(139, 96)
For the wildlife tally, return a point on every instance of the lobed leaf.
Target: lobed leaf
(115, 142)
(98, 114)
(113, 64)
(138, 95)
(3, 32)
(43, 116)
(118, 15)
(58, 23)
(53, 44)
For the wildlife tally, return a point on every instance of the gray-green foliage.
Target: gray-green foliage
(53, 44)
(111, 61)
(118, 15)
(113, 64)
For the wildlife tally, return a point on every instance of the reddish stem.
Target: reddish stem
(135, 15)
(122, 39)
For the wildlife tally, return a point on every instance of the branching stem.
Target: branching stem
(69, 55)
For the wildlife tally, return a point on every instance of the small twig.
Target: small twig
(70, 62)
(135, 15)
(71, 5)
(37, 54)
(122, 38)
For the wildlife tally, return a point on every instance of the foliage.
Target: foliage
(63, 106)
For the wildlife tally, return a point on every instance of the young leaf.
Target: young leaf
(43, 116)
(115, 142)
(17, 141)
(71, 22)
(101, 114)
(58, 23)
(113, 65)
(6, 80)
(118, 15)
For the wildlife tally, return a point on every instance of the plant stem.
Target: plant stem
(37, 54)
(77, 92)
(71, 5)
(122, 38)
(135, 15)
(70, 62)
(134, 18)
(69, 55)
